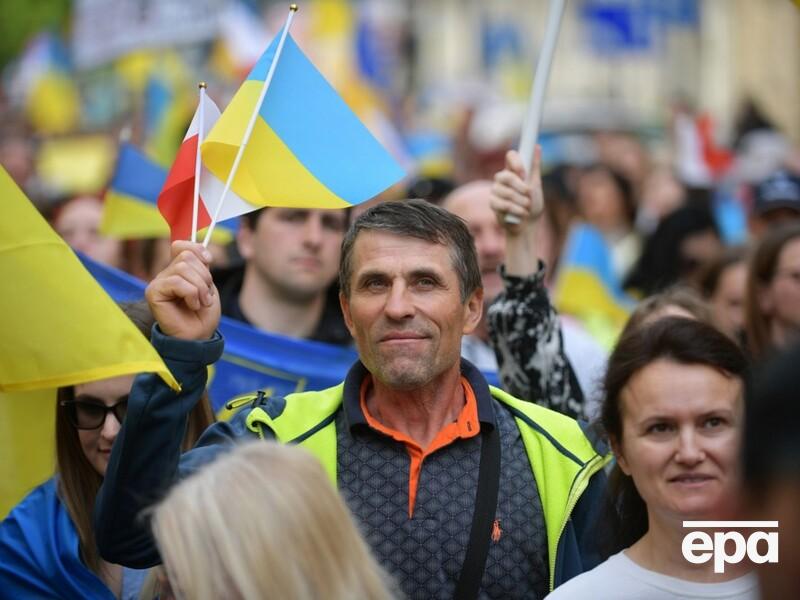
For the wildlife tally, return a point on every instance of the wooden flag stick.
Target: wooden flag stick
(533, 116)
(248, 132)
(197, 161)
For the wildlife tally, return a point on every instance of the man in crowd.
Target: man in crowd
(776, 200)
(471, 202)
(460, 489)
(534, 362)
(286, 284)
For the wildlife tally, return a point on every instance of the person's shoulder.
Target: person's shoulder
(567, 433)
(604, 582)
(41, 498)
(260, 410)
(30, 524)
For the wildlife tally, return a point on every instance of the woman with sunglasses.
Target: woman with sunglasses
(47, 545)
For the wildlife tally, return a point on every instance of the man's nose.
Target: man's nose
(312, 231)
(492, 245)
(399, 304)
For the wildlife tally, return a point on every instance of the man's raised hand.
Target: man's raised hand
(183, 297)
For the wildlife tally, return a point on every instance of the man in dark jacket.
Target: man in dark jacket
(287, 282)
(460, 489)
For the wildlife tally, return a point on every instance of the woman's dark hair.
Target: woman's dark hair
(623, 185)
(660, 264)
(681, 340)
(78, 481)
(761, 270)
(709, 279)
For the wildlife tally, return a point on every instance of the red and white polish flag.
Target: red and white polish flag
(176, 200)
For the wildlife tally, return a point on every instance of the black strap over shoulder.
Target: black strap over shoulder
(469, 581)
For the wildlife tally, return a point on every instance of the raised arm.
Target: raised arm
(524, 328)
(146, 457)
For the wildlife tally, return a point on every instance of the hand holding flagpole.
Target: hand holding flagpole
(197, 161)
(248, 132)
(533, 116)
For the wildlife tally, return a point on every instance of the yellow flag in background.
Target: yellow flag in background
(58, 326)
(27, 443)
(80, 164)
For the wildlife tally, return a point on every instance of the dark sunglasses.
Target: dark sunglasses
(83, 414)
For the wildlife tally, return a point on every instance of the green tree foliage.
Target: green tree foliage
(20, 19)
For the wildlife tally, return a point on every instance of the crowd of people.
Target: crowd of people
(415, 478)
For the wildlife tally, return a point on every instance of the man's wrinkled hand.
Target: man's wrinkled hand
(183, 298)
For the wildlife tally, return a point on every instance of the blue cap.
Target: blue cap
(779, 190)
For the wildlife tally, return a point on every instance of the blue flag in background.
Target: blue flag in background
(131, 209)
(253, 359)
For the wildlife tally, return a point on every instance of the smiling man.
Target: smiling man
(460, 489)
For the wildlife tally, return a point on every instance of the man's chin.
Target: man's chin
(407, 373)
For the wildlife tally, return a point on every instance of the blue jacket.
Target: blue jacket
(39, 555)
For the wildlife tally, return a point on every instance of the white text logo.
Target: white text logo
(699, 547)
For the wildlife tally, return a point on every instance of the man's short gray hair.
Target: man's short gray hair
(422, 220)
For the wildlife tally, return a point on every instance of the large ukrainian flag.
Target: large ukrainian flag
(307, 150)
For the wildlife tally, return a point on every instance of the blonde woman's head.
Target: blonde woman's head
(263, 521)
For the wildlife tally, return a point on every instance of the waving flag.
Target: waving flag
(587, 288)
(130, 204)
(45, 81)
(307, 149)
(59, 327)
(176, 199)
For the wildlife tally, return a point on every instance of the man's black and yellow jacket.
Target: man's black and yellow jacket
(551, 485)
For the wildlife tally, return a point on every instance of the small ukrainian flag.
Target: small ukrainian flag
(307, 149)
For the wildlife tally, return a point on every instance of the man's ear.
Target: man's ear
(348, 321)
(473, 311)
(244, 240)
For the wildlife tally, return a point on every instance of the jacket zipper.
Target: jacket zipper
(577, 491)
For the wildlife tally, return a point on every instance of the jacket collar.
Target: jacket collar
(352, 388)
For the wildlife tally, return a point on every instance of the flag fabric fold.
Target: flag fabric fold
(59, 327)
(307, 149)
(175, 202)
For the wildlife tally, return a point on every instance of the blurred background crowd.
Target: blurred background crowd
(670, 150)
(671, 127)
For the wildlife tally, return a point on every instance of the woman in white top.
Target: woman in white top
(673, 412)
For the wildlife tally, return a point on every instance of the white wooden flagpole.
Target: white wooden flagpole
(533, 116)
(248, 132)
(197, 162)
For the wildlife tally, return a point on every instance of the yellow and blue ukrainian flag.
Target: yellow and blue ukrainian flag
(587, 288)
(307, 149)
(130, 203)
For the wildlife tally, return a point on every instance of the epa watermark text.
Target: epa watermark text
(760, 546)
